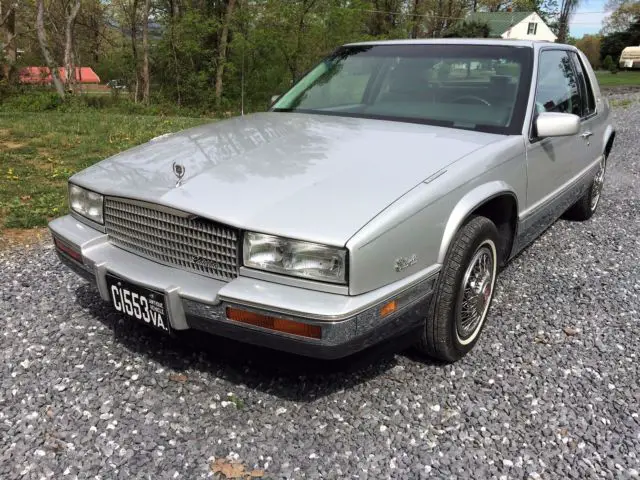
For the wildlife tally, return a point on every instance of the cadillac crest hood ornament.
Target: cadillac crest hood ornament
(178, 171)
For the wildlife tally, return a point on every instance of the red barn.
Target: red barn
(42, 75)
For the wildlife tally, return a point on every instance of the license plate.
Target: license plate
(139, 303)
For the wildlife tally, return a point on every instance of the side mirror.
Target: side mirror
(274, 99)
(553, 124)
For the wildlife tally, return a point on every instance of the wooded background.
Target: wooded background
(195, 52)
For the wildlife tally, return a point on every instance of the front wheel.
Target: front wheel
(464, 292)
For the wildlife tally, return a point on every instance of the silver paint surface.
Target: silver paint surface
(309, 177)
(383, 189)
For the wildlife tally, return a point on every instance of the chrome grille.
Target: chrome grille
(172, 238)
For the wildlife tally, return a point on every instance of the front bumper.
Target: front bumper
(348, 323)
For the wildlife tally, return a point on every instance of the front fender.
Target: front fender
(466, 205)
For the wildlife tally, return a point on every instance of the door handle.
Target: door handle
(586, 135)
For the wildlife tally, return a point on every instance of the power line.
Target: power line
(448, 17)
(426, 15)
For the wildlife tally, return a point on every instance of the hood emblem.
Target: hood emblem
(178, 171)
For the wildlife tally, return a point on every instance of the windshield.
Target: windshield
(476, 87)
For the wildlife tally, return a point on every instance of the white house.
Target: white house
(514, 25)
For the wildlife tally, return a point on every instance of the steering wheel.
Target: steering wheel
(471, 97)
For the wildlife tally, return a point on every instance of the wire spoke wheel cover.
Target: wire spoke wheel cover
(598, 183)
(476, 292)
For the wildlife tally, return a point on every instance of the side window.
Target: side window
(588, 100)
(557, 88)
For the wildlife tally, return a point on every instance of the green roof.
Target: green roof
(499, 22)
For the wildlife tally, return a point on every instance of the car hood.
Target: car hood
(311, 177)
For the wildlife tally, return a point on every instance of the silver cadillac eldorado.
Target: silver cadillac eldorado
(379, 196)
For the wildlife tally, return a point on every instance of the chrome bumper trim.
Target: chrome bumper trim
(196, 301)
(333, 332)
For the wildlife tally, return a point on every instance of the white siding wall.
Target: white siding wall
(519, 31)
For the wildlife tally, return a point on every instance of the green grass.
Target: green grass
(620, 79)
(40, 151)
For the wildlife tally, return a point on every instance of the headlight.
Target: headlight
(292, 257)
(86, 203)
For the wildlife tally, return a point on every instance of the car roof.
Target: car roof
(461, 41)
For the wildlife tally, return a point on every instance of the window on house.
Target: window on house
(533, 27)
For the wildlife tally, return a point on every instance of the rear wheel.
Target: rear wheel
(584, 208)
(464, 292)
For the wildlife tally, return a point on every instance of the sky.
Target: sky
(588, 18)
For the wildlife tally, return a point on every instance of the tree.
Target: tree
(567, 8)
(613, 44)
(590, 46)
(445, 14)
(205, 53)
(145, 77)
(69, 53)
(94, 26)
(222, 50)
(294, 29)
(623, 13)
(8, 36)
(547, 9)
(385, 16)
(494, 5)
(46, 53)
(417, 12)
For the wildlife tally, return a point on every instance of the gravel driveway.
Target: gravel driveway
(550, 391)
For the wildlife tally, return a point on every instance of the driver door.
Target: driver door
(551, 162)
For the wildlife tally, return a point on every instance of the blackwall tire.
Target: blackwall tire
(464, 292)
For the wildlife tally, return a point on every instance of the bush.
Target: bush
(33, 101)
(608, 63)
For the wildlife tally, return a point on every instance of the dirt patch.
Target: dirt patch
(13, 237)
(45, 152)
(12, 145)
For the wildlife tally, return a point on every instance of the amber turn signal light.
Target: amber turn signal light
(388, 308)
(274, 323)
